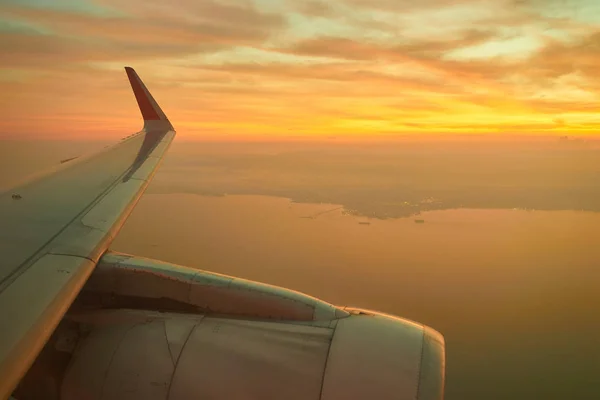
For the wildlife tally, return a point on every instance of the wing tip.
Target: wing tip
(148, 106)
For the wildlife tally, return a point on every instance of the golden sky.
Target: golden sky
(301, 68)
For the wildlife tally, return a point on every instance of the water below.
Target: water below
(514, 292)
(436, 232)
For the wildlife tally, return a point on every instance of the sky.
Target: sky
(247, 69)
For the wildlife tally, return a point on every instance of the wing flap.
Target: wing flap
(47, 289)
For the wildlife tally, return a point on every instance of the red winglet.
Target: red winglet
(143, 97)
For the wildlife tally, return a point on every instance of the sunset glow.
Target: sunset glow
(301, 68)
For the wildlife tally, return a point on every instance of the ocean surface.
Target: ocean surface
(497, 248)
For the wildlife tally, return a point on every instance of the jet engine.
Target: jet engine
(145, 329)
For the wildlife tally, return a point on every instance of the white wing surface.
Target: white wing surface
(55, 227)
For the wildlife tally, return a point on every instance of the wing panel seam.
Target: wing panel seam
(327, 362)
(181, 355)
(24, 266)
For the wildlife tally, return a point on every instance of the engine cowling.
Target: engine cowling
(136, 354)
(145, 329)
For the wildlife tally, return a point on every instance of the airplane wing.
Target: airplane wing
(55, 227)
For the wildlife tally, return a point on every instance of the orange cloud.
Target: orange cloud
(312, 68)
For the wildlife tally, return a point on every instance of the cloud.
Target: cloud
(77, 36)
(316, 8)
(415, 50)
(406, 5)
(237, 16)
(44, 52)
(426, 56)
(350, 66)
(561, 58)
(332, 72)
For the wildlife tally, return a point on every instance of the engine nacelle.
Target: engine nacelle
(136, 354)
(125, 281)
(143, 329)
